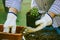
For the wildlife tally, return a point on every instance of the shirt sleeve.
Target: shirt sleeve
(55, 8)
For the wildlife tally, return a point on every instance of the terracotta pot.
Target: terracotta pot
(9, 36)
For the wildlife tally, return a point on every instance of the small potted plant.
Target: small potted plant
(32, 16)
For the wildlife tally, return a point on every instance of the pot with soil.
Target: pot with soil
(32, 16)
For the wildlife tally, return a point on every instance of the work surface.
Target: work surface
(43, 34)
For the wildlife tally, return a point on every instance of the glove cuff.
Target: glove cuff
(50, 17)
(11, 16)
(12, 13)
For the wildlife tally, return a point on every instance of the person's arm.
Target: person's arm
(14, 7)
(48, 18)
(10, 21)
(45, 21)
(52, 14)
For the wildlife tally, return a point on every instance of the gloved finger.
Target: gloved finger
(29, 30)
(38, 22)
(13, 29)
(40, 27)
(6, 29)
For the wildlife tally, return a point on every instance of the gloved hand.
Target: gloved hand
(10, 22)
(43, 22)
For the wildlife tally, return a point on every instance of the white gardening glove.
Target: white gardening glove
(10, 22)
(43, 22)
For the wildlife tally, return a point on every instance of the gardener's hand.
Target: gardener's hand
(10, 22)
(43, 22)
